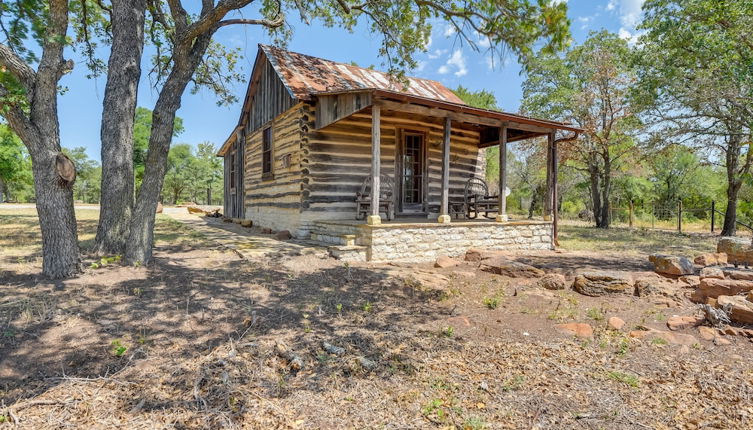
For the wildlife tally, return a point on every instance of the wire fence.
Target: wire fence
(663, 217)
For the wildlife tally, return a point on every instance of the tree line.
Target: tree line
(194, 174)
(666, 118)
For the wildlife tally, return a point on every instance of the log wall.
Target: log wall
(337, 159)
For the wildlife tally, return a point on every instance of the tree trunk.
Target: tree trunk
(141, 234)
(118, 114)
(606, 184)
(595, 194)
(730, 215)
(3, 192)
(209, 195)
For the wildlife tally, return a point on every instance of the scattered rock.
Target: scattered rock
(738, 249)
(741, 310)
(599, 283)
(366, 363)
(684, 350)
(295, 362)
(332, 349)
(671, 265)
(475, 254)
(750, 296)
(707, 333)
(266, 230)
(648, 286)
(552, 281)
(741, 275)
(444, 261)
(713, 287)
(160, 208)
(682, 322)
(581, 330)
(720, 341)
(513, 269)
(247, 223)
(283, 235)
(712, 272)
(691, 280)
(711, 259)
(196, 210)
(615, 323)
(675, 338)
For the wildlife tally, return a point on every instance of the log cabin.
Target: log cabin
(314, 136)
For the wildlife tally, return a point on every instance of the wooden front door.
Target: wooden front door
(412, 173)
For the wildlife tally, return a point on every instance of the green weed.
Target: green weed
(625, 378)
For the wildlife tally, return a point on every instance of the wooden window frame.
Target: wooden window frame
(400, 135)
(233, 172)
(270, 152)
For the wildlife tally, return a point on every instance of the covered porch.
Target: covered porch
(418, 214)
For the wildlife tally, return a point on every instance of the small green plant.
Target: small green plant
(118, 349)
(449, 331)
(491, 302)
(137, 291)
(514, 383)
(339, 308)
(367, 307)
(625, 378)
(623, 347)
(434, 407)
(595, 314)
(659, 341)
(474, 423)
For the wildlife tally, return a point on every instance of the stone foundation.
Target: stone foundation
(417, 242)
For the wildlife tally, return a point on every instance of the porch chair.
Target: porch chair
(386, 198)
(477, 199)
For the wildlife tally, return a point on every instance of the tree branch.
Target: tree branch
(18, 67)
(270, 23)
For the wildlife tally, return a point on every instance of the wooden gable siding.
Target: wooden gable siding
(283, 189)
(331, 108)
(270, 97)
(233, 198)
(337, 158)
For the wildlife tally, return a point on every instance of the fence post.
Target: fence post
(653, 214)
(713, 214)
(630, 214)
(679, 216)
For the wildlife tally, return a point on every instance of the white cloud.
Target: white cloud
(428, 41)
(482, 41)
(626, 34)
(612, 5)
(489, 62)
(556, 2)
(629, 11)
(449, 30)
(436, 54)
(420, 66)
(457, 62)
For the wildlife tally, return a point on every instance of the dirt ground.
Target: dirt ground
(204, 339)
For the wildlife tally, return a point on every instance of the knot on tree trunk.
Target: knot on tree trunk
(66, 170)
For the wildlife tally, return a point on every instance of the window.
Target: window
(266, 153)
(232, 171)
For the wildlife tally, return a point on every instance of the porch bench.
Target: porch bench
(478, 200)
(386, 198)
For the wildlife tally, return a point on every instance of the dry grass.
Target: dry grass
(211, 341)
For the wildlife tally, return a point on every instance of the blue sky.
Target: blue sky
(446, 61)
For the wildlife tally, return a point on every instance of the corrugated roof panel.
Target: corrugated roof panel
(305, 75)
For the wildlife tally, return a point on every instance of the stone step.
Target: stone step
(333, 238)
(348, 253)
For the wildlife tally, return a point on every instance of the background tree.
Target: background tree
(185, 53)
(485, 100)
(28, 101)
(180, 172)
(88, 175)
(589, 86)
(16, 183)
(697, 79)
(141, 130)
(209, 168)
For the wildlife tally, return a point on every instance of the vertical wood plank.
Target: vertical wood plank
(446, 167)
(555, 170)
(376, 139)
(548, 197)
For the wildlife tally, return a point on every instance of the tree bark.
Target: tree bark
(39, 130)
(141, 234)
(730, 215)
(118, 115)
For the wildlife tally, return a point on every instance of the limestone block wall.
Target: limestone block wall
(427, 242)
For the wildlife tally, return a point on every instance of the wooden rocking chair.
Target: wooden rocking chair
(477, 199)
(386, 198)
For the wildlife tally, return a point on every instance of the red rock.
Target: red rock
(712, 287)
(711, 259)
(160, 208)
(671, 265)
(247, 223)
(266, 230)
(475, 254)
(712, 272)
(683, 322)
(581, 330)
(691, 280)
(615, 323)
(552, 281)
(444, 261)
(741, 310)
(741, 275)
(669, 337)
(283, 235)
(600, 283)
(707, 333)
(513, 269)
(720, 341)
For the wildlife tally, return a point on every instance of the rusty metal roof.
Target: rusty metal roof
(305, 75)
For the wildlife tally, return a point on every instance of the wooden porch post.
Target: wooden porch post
(548, 198)
(373, 218)
(502, 215)
(444, 213)
(555, 198)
